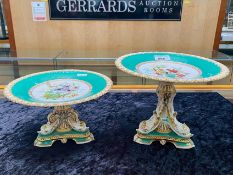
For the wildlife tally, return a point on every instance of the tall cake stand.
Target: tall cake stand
(169, 68)
(59, 89)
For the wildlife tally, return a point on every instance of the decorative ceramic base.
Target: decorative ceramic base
(63, 123)
(179, 142)
(163, 125)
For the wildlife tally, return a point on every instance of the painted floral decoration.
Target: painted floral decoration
(169, 72)
(62, 91)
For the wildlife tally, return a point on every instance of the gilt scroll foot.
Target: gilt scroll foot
(63, 124)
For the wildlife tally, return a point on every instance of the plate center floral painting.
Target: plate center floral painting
(169, 69)
(60, 90)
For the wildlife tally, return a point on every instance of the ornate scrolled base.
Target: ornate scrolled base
(163, 125)
(63, 124)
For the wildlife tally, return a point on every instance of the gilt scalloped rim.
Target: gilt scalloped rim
(8, 93)
(224, 70)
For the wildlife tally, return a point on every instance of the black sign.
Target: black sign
(116, 9)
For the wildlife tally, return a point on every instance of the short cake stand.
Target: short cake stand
(168, 68)
(59, 89)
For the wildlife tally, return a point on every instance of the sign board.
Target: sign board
(164, 10)
(39, 11)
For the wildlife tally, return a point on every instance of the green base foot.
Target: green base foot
(84, 140)
(163, 138)
(80, 137)
(182, 145)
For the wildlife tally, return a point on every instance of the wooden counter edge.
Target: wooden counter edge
(178, 87)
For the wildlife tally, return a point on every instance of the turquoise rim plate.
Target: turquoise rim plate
(58, 88)
(172, 67)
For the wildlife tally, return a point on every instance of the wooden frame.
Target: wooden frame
(221, 18)
(4, 41)
(7, 10)
(8, 16)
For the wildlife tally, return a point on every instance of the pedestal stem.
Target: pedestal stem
(163, 124)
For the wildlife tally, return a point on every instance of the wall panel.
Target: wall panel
(196, 31)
